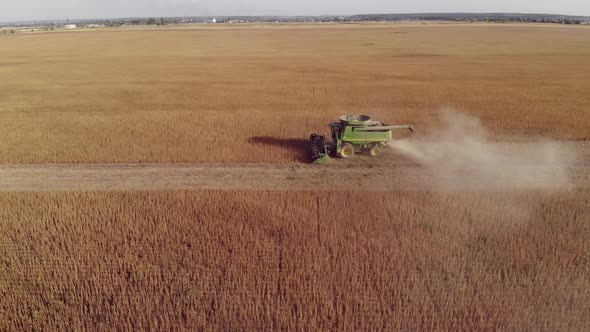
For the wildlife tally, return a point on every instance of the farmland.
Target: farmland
(252, 94)
(291, 260)
(159, 179)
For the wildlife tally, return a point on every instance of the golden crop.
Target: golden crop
(254, 94)
(236, 260)
(287, 259)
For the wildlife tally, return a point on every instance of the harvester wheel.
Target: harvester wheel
(375, 150)
(347, 150)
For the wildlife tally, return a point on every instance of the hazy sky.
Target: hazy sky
(20, 10)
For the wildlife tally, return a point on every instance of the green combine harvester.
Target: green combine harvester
(353, 134)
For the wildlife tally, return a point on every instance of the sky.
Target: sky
(27, 10)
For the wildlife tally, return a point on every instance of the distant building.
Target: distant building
(70, 26)
(94, 26)
(214, 20)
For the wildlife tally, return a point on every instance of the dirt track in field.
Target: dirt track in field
(389, 172)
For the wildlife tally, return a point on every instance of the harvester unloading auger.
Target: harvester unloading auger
(353, 133)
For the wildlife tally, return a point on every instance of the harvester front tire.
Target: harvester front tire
(347, 150)
(375, 150)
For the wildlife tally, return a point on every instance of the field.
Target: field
(159, 179)
(254, 94)
(293, 260)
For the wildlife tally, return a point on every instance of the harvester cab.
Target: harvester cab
(353, 134)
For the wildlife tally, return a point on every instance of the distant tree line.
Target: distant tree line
(466, 17)
(459, 17)
(456, 17)
(141, 21)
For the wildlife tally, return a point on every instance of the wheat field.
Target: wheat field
(244, 260)
(252, 93)
(400, 258)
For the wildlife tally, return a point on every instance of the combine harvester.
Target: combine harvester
(352, 134)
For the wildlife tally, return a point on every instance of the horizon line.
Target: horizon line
(53, 20)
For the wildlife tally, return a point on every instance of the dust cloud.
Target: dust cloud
(460, 154)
